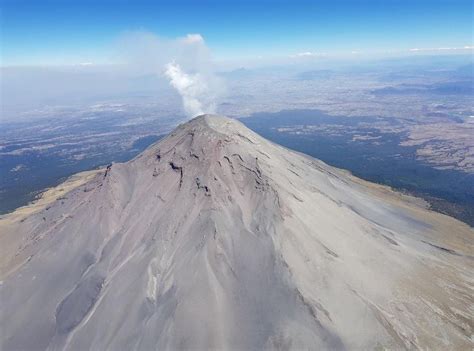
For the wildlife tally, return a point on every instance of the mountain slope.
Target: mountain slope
(217, 238)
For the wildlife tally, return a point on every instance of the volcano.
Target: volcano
(216, 238)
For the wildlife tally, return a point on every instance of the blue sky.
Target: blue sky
(42, 31)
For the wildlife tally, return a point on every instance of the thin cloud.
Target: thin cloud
(308, 54)
(466, 47)
(193, 38)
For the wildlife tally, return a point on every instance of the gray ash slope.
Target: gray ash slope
(217, 238)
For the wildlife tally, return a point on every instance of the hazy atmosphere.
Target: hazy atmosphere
(304, 169)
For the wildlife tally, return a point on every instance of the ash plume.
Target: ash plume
(193, 88)
(184, 62)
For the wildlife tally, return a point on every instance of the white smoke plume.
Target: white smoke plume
(185, 62)
(193, 89)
